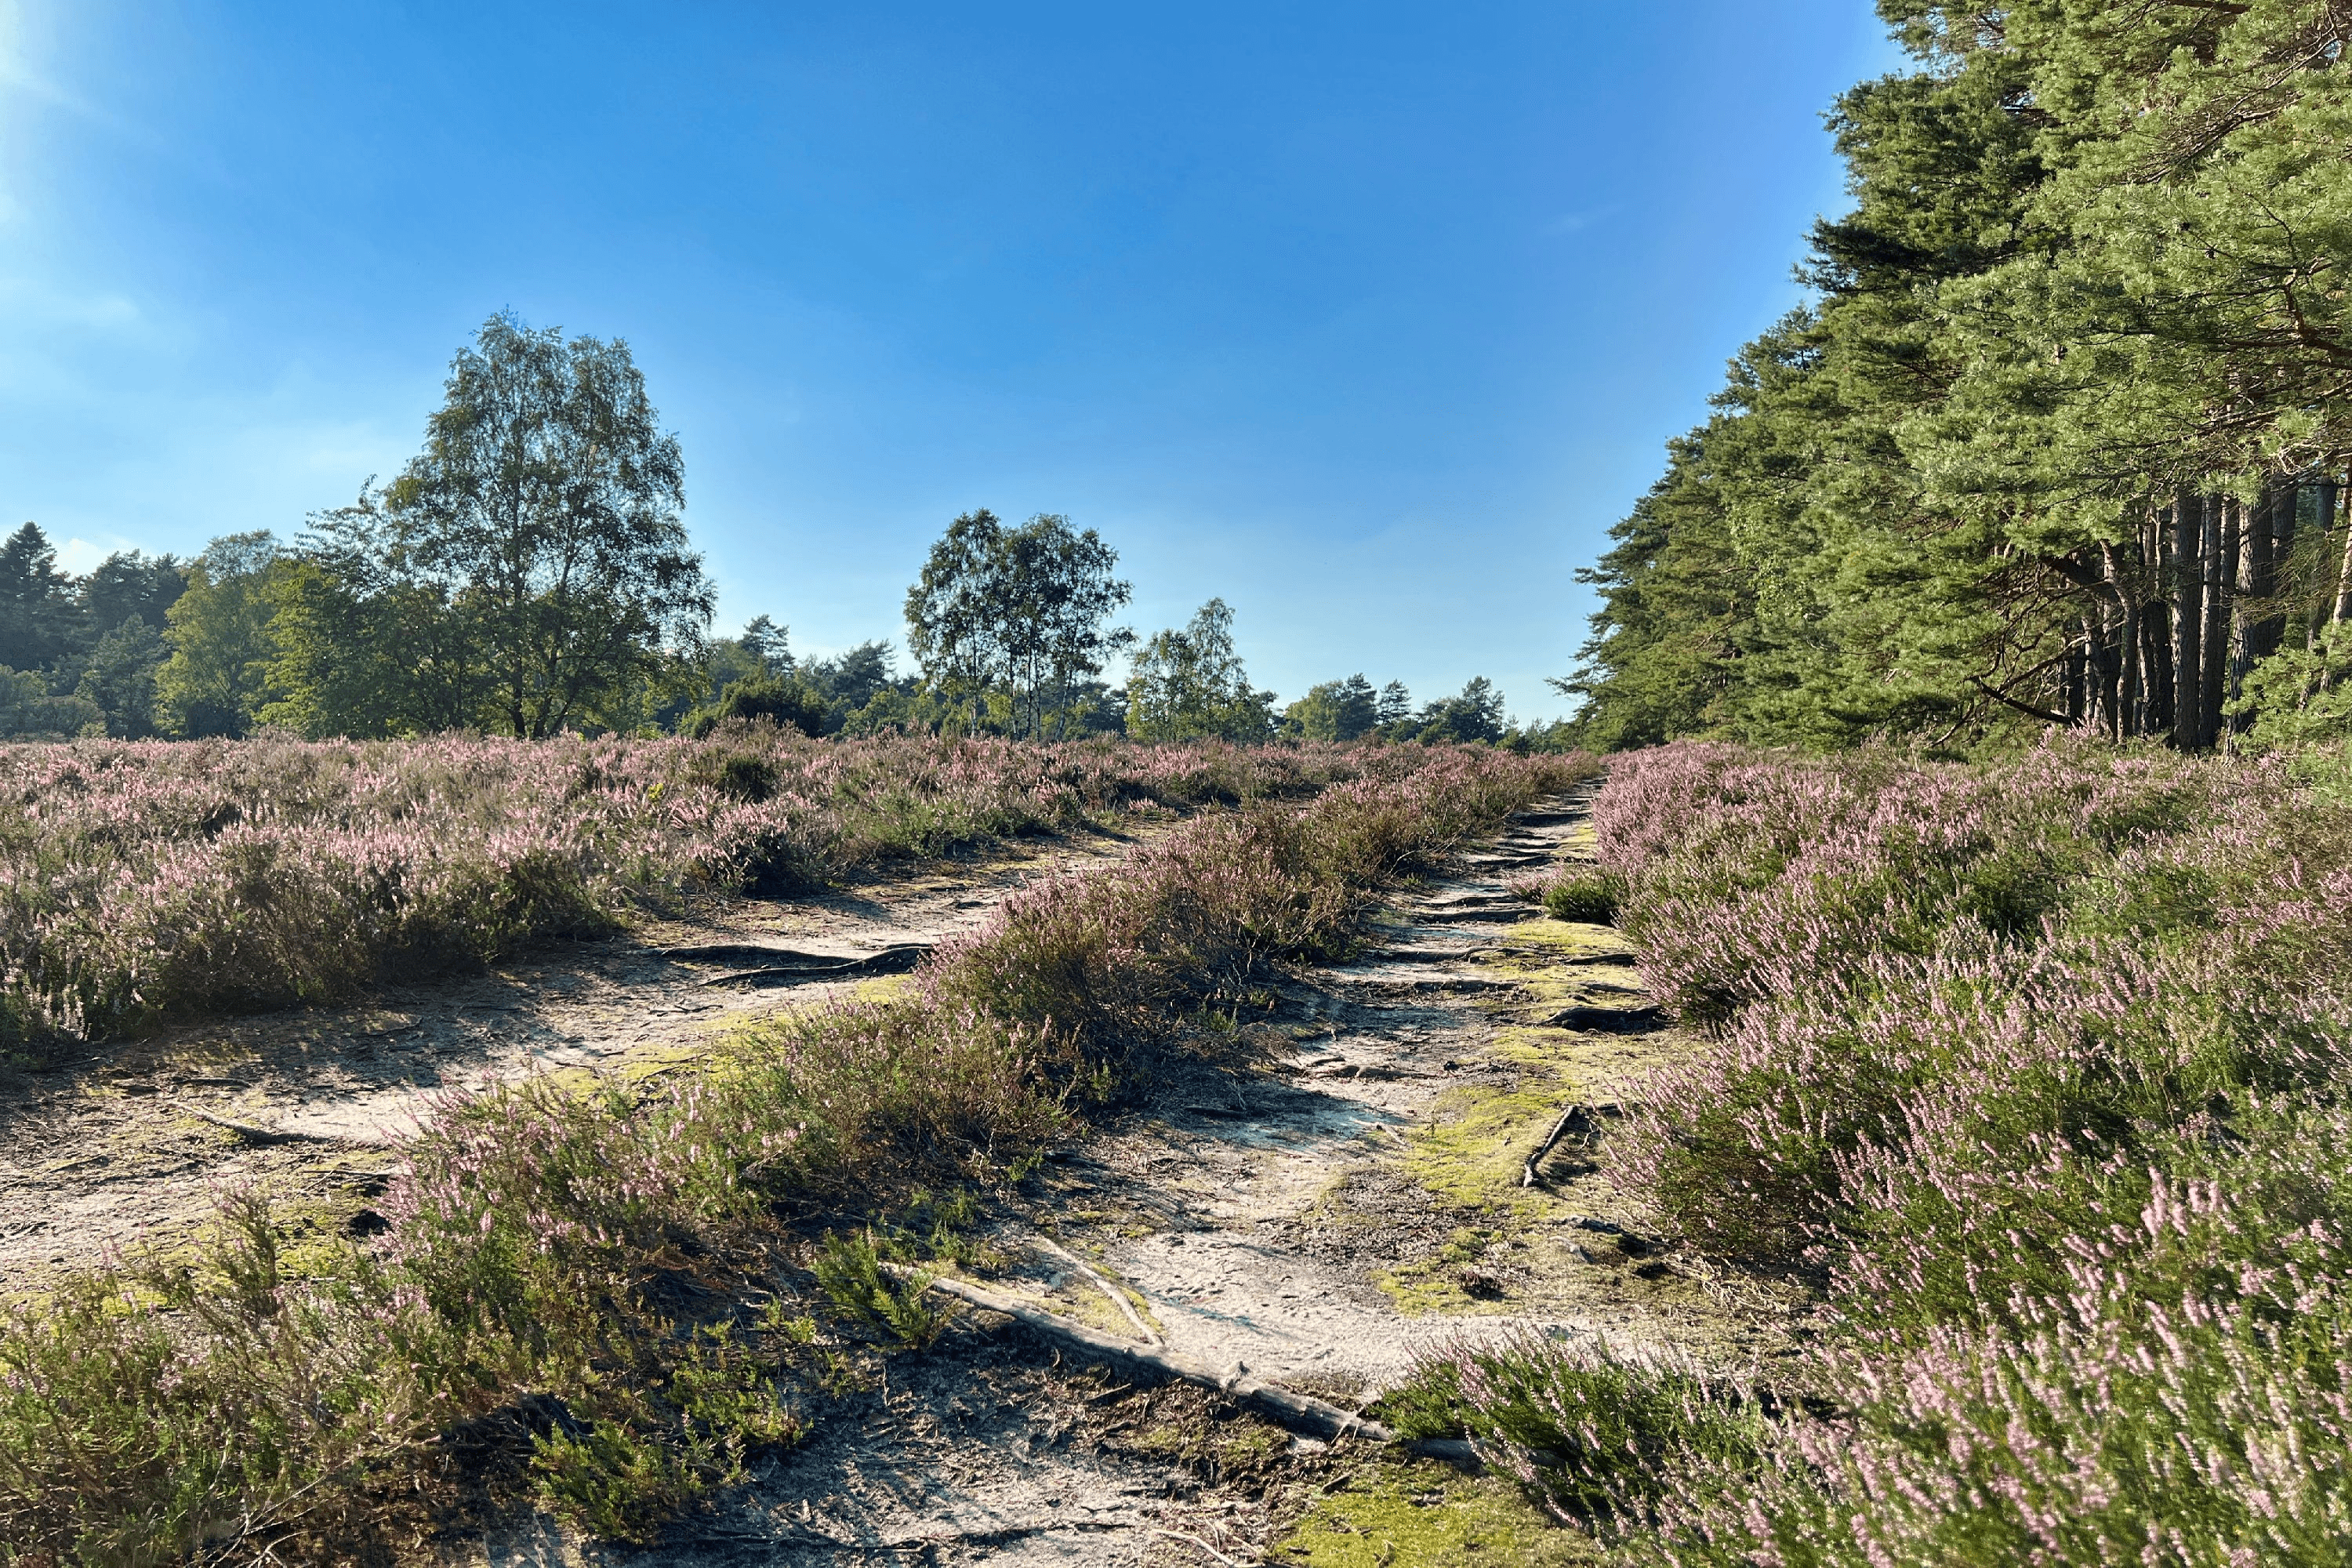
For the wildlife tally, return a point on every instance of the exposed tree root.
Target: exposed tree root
(1143, 1331)
(790, 966)
(1299, 1412)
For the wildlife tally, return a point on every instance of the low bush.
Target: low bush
(1585, 895)
(586, 1263)
(1596, 1434)
(2040, 1066)
(144, 880)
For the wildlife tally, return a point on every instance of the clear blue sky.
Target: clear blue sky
(1369, 318)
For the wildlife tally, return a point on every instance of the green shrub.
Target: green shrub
(1592, 897)
(1592, 1435)
(896, 1302)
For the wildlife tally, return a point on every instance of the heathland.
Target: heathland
(1887, 1107)
(636, 1283)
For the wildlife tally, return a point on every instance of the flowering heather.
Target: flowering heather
(140, 879)
(2040, 1065)
(547, 1249)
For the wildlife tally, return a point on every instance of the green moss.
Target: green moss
(1409, 1516)
(1568, 937)
(1468, 1155)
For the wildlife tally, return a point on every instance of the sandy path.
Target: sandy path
(117, 1149)
(1319, 1224)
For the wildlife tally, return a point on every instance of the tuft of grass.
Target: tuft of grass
(851, 1274)
(1590, 897)
(1594, 1436)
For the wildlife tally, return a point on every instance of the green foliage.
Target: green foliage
(1475, 715)
(2301, 697)
(786, 701)
(892, 1301)
(1185, 685)
(129, 583)
(219, 631)
(36, 610)
(527, 571)
(1015, 611)
(1335, 710)
(120, 679)
(1591, 896)
(2085, 275)
(29, 707)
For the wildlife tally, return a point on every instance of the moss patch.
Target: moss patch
(1468, 1155)
(1425, 1516)
(1568, 937)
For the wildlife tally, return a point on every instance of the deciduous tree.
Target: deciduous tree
(544, 511)
(1188, 684)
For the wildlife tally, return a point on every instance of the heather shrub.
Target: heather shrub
(2179, 1396)
(1593, 1435)
(577, 1265)
(2037, 1063)
(143, 880)
(1868, 998)
(1585, 895)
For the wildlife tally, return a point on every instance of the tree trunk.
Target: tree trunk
(2286, 517)
(2188, 621)
(2344, 571)
(2218, 553)
(2249, 565)
(2072, 684)
(2156, 627)
(2127, 654)
(2156, 659)
(2263, 624)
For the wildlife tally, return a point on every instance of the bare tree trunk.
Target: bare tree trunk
(2249, 563)
(2318, 597)
(2126, 588)
(2155, 655)
(2188, 621)
(2217, 554)
(2106, 674)
(2343, 572)
(2266, 625)
(2072, 684)
(2156, 626)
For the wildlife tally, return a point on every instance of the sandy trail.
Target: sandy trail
(131, 1144)
(1319, 1224)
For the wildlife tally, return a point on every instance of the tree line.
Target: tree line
(528, 572)
(2061, 437)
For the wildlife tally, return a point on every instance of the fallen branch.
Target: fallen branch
(1576, 1118)
(1213, 1551)
(1143, 1331)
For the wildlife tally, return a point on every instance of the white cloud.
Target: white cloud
(79, 555)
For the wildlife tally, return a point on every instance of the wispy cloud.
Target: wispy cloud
(1573, 223)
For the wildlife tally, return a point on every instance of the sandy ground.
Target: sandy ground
(1322, 1223)
(132, 1143)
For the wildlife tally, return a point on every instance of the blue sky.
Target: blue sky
(1369, 318)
